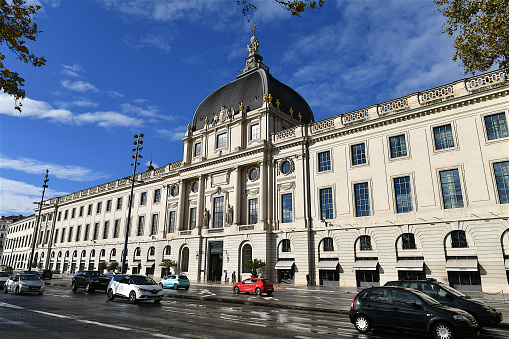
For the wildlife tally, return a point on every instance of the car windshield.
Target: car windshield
(452, 291)
(3, 274)
(427, 299)
(266, 281)
(182, 277)
(95, 275)
(141, 280)
(28, 277)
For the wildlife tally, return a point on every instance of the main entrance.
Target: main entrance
(215, 261)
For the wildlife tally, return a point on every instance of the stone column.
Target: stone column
(237, 196)
(179, 222)
(263, 192)
(201, 201)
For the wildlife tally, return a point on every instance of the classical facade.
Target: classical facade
(413, 187)
(4, 224)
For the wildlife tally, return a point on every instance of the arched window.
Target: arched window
(185, 259)
(167, 250)
(75, 253)
(151, 251)
(137, 252)
(83, 253)
(67, 254)
(92, 253)
(113, 252)
(328, 244)
(103, 253)
(42, 255)
(286, 245)
(365, 243)
(52, 254)
(459, 239)
(247, 255)
(59, 254)
(408, 241)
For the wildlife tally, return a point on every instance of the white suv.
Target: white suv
(134, 287)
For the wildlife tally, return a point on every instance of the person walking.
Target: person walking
(213, 276)
(307, 278)
(225, 276)
(233, 277)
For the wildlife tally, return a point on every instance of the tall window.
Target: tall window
(78, 233)
(66, 214)
(185, 259)
(55, 240)
(496, 126)
(73, 213)
(69, 236)
(89, 210)
(157, 195)
(59, 215)
(255, 131)
(155, 222)
(362, 205)
(141, 224)
(287, 207)
(81, 211)
(408, 241)
(502, 179)
(398, 146)
(167, 250)
(87, 231)
(443, 137)
(99, 206)
(324, 161)
(358, 154)
(116, 230)
(328, 245)
(192, 218)
(459, 239)
(173, 215)
(451, 189)
(365, 243)
(143, 198)
(119, 203)
(218, 212)
(96, 231)
(106, 229)
(108, 206)
(197, 149)
(253, 211)
(326, 209)
(247, 255)
(286, 245)
(151, 251)
(221, 140)
(403, 193)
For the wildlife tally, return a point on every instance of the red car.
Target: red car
(254, 285)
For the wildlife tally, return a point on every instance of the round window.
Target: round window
(253, 174)
(286, 167)
(174, 190)
(194, 186)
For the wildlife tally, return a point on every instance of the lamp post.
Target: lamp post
(137, 142)
(36, 229)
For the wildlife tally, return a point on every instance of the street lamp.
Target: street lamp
(36, 229)
(137, 142)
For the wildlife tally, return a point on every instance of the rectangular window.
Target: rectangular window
(398, 146)
(443, 137)
(362, 204)
(218, 212)
(66, 214)
(324, 161)
(326, 209)
(108, 206)
(253, 211)
(365, 243)
(221, 140)
(502, 179)
(157, 195)
(287, 207)
(59, 216)
(106, 229)
(197, 149)
(89, 212)
(255, 131)
(96, 231)
(408, 241)
(141, 224)
(451, 189)
(403, 194)
(63, 235)
(69, 236)
(496, 126)
(173, 215)
(81, 211)
(99, 207)
(119, 203)
(358, 154)
(87, 231)
(328, 245)
(78, 233)
(192, 218)
(143, 198)
(116, 231)
(56, 237)
(73, 213)
(155, 224)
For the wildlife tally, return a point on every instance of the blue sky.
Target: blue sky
(117, 68)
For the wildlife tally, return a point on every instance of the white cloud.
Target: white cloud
(67, 172)
(108, 119)
(72, 71)
(80, 102)
(150, 111)
(79, 86)
(174, 134)
(115, 94)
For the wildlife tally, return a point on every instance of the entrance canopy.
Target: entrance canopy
(469, 265)
(284, 265)
(365, 265)
(410, 265)
(327, 265)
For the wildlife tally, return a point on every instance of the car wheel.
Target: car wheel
(258, 291)
(362, 323)
(73, 286)
(110, 295)
(443, 331)
(18, 290)
(236, 290)
(40, 293)
(88, 288)
(269, 293)
(175, 286)
(157, 301)
(187, 287)
(5, 289)
(132, 297)
(161, 285)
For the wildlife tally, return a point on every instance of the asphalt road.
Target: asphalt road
(61, 313)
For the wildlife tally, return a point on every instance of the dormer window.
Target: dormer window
(221, 140)
(197, 149)
(255, 132)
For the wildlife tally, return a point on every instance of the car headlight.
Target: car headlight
(460, 317)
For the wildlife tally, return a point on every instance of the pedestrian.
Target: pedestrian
(225, 276)
(307, 278)
(213, 276)
(233, 277)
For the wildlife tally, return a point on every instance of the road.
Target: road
(61, 313)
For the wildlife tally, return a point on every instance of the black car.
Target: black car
(90, 281)
(45, 274)
(30, 272)
(486, 315)
(399, 308)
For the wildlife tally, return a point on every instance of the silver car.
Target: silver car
(24, 283)
(4, 276)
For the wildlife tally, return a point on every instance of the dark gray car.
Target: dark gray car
(90, 281)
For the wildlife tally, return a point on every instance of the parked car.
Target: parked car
(24, 283)
(7, 269)
(30, 272)
(175, 281)
(45, 274)
(409, 310)
(485, 314)
(3, 278)
(90, 281)
(254, 285)
(134, 287)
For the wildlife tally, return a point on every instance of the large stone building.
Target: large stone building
(4, 224)
(412, 187)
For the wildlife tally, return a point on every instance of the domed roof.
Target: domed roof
(249, 88)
